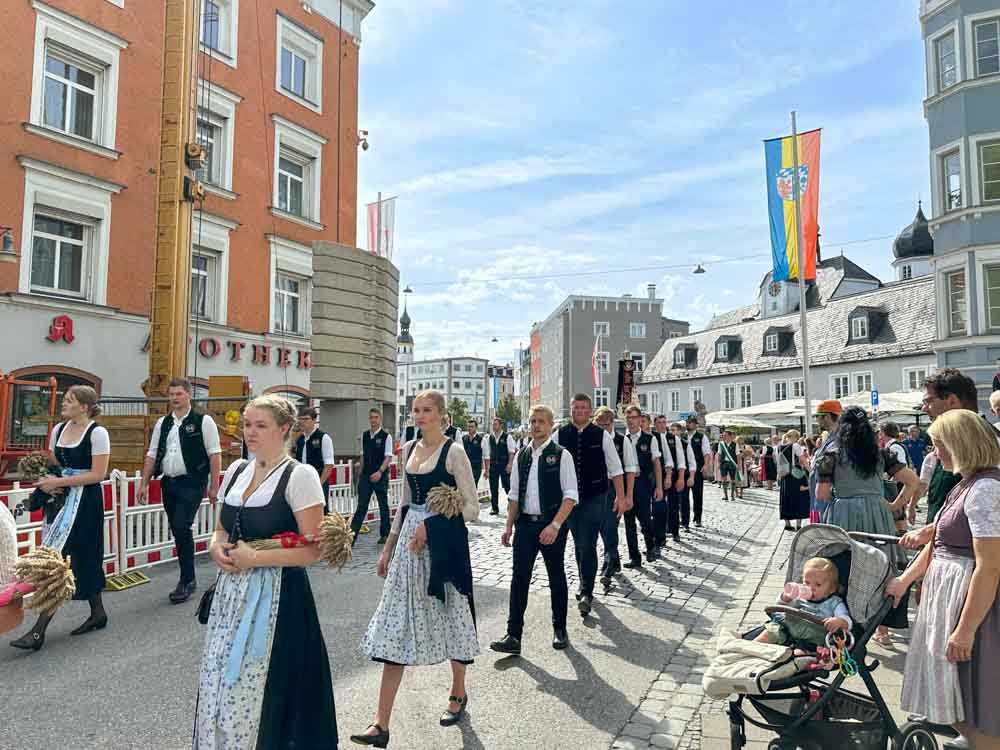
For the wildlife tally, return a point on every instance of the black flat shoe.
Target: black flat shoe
(584, 605)
(91, 623)
(183, 592)
(382, 540)
(450, 718)
(507, 645)
(30, 641)
(380, 739)
(633, 564)
(560, 639)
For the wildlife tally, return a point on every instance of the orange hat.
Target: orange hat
(831, 406)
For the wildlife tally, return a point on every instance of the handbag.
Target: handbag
(205, 605)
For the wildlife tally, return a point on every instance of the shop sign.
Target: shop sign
(259, 354)
(61, 329)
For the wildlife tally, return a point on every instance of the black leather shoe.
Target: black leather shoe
(30, 641)
(382, 539)
(633, 564)
(677, 537)
(508, 645)
(560, 639)
(183, 592)
(91, 623)
(652, 554)
(380, 739)
(584, 605)
(450, 718)
(494, 513)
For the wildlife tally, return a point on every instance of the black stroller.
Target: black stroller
(811, 709)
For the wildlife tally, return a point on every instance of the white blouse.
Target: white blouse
(100, 441)
(982, 508)
(457, 464)
(303, 490)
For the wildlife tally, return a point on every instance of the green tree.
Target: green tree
(459, 412)
(508, 411)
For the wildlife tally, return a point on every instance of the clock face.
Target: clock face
(774, 289)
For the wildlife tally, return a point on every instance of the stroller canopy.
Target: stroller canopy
(870, 568)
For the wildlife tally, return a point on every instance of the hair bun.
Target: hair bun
(95, 411)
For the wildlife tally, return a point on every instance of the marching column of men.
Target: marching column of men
(376, 455)
(678, 500)
(648, 493)
(611, 563)
(499, 460)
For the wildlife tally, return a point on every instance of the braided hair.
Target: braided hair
(857, 441)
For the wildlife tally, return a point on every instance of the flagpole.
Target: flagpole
(378, 227)
(807, 405)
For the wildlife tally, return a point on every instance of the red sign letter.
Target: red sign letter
(235, 350)
(261, 354)
(284, 357)
(61, 329)
(305, 361)
(209, 347)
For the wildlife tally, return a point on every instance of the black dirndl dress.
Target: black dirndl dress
(793, 494)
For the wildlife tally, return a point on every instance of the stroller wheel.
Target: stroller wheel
(915, 735)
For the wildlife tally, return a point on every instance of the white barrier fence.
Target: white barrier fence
(138, 536)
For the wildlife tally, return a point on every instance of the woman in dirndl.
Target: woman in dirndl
(265, 672)
(411, 627)
(954, 655)
(82, 449)
(793, 481)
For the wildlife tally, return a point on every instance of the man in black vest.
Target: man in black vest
(315, 447)
(376, 455)
(185, 453)
(611, 562)
(542, 495)
(702, 450)
(451, 431)
(499, 460)
(472, 441)
(648, 488)
(660, 510)
(596, 462)
(685, 477)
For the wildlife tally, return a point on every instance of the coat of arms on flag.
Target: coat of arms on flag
(786, 182)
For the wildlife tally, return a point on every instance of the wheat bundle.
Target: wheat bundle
(334, 538)
(51, 575)
(33, 467)
(445, 500)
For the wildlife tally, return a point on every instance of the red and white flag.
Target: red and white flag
(595, 364)
(382, 234)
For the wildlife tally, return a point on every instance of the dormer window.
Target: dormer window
(779, 341)
(685, 356)
(859, 327)
(679, 356)
(771, 343)
(722, 351)
(728, 349)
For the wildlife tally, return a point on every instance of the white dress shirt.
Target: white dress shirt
(511, 445)
(631, 459)
(388, 445)
(706, 446)
(665, 462)
(173, 459)
(685, 458)
(567, 479)
(327, 449)
(611, 460)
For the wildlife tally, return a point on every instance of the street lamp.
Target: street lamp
(699, 269)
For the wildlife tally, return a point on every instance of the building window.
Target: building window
(798, 391)
(745, 395)
(992, 283)
(989, 168)
(636, 329)
(780, 390)
(58, 255)
(771, 342)
(210, 138)
(288, 304)
(675, 401)
(675, 334)
(947, 69)
(479, 369)
(71, 90)
(602, 397)
(603, 362)
(640, 361)
(722, 351)
(219, 29)
(862, 382)
(679, 356)
(602, 328)
(654, 401)
(643, 402)
(468, 385)
(300, 64)
(697, 397)
(456, 384)
(956, 302)
(839, 386)
(987, 40)
(468, 368)
(914, 377)
(951, 175)
(291, 181)
(728, 397)
(297, 175)
(859, 327)
(906, 272)
(204, 275)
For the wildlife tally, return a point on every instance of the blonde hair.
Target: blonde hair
(601, 413)
(970, 440)
(792, 436)
(282, 410)
(823, 565)
(436, 398)
(86, 397)
(542, 409)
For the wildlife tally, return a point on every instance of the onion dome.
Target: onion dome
(404, 328)
(915, 240)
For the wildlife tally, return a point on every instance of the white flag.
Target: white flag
(381, 234)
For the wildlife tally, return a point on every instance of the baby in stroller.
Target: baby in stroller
(817, 595)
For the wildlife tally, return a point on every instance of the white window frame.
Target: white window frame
(602, 328)
(840, 385)
(932, 64)
(602, 397)
(858, 381)
(748, 401)
(945, 184)
(674, 399)
(99, 48)
(84, 244)
(779, 390)
(680, 356)
(292, 139)
(938, 68)
(771, 342)
(49, 186)
(211, 275)
(950, 310)
(991, 322)
(300, 295)
(210, 233)
(675, 334)
(308, 46)
(721, 351)
(696, 394)
(654, 401)
(640, 361)
(859, 327)
(220, 107)
(291, 258)
(796, 387)
(906, 272)
(972, 21)
(728, 396)
(603, 362)
(938, 192)
(921, 372)
(229, 32)
(636, 329)
(978, 177)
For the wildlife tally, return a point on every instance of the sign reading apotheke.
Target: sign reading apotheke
(256, 354)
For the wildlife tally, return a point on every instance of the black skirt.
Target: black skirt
(770, 468)
(85, 544)
(298, 710)
(793, 498)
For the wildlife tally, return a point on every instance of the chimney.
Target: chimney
(626, 296)
(651, 290)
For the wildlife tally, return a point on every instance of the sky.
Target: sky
(528, 141)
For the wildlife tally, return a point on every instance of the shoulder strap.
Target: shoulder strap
(286, 474)
(234, 477)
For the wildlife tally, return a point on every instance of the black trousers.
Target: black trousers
(659, 515)
(182, 497)
(365, 489)
(585, 525)
(698, 494)
(526, 549)
(642, 495)
(611, 562)
(498, 476)
(477, 471)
